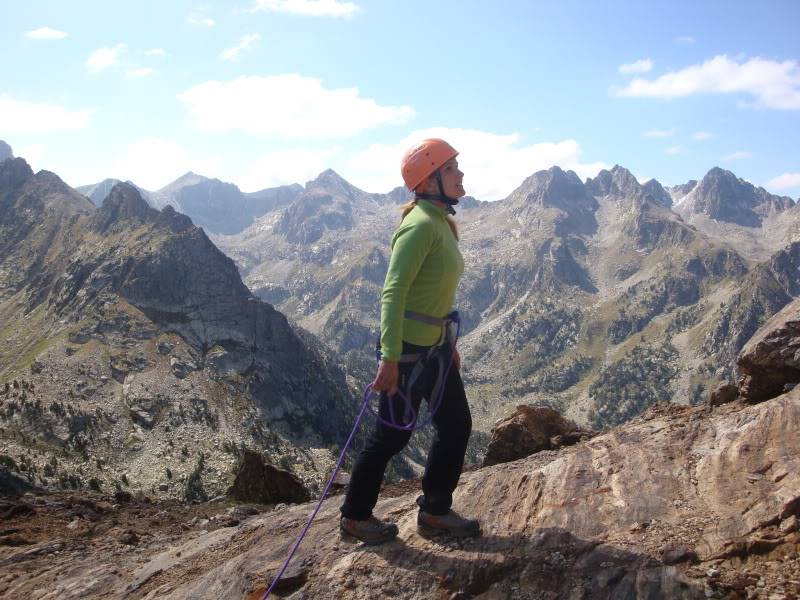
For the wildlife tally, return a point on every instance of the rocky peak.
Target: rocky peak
(657, 192)
(617, 182)
(123, 203)
(55, 195)
(328, 177)
(174, 220)
(188, 178)
(48, 179)
(166, 195)
(5, 151)
(723, 196)
(330, 182)
(553, 187)
(13, 173)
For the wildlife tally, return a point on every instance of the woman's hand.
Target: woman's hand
(457, 360)
(386, 379)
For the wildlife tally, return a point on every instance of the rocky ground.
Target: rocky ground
(683, 502)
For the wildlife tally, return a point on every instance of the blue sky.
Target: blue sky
(265, 92)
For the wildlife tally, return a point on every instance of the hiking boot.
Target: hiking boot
(450, 524)
(369, 531)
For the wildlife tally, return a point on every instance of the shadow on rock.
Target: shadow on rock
(550, 563)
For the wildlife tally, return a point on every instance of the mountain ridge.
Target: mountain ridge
(145, 335)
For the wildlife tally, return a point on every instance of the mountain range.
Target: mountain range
(598, 297)
(215, 206)
(134, 356)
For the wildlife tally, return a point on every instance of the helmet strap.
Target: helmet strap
(441, 196)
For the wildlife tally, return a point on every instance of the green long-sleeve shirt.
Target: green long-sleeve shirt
(423, 274)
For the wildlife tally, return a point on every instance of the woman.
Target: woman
(421, 282)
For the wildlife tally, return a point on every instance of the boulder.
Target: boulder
(769, 364)
(723, 393)
(531, 429)
(144, 406)
(258, 481)
(181, 367)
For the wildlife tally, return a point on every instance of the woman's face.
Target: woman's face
(452, 179)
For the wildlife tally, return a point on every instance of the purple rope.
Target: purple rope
(412, 425)
(319, 505)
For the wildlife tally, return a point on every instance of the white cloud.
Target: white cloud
(309, 8)
(46, 33)
(673, 150)
(738, 155)
(659, 133)
(154, 162)
(246, 42)
(290, 106)
(785, 182)
(684, 39)
(155, 52)
(640, 66)
(198, 19)
(32, 117)
(772, 84)
(494, 165)
(296, 165)
(103, 58)
(139, 72)
(702, 136)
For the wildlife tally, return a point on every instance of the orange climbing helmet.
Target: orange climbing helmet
(422, 160)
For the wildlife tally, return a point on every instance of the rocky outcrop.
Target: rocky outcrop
(684, 502)
(723, 394)
(770, 362)
(258, 481)
(13, 173)
(124, 203)
(531, 429)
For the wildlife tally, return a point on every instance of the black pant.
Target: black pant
(453, 424)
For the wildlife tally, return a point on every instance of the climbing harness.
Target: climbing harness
(447, 337)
